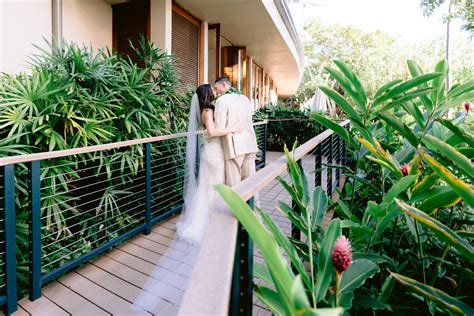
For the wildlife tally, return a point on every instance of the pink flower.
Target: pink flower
(467, 106)
(404, 168)
(342, 254)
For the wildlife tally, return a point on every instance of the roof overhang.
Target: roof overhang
(265, 28)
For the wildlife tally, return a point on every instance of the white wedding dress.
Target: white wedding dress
(211, 172)
(173, 270)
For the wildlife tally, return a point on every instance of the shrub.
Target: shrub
(286, 125)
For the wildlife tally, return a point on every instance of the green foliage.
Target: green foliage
(287, 125)
(412, 147)
(75, 97)
(376, 57)
(310, 287)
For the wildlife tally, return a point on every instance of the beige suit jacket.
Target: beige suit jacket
(233, 110)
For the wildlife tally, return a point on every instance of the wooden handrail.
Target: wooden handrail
(209, 287)
(90, 149)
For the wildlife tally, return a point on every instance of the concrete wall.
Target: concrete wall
(88, 22)
(160, 20)
(22, 23)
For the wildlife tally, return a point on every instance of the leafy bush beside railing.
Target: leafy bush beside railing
(410, 196)
(75, 97)
(287, 125)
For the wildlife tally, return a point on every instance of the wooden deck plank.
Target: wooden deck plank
(178, 250)
(19, 312)
(71, 301)
(123, 288)
(153, 257)
(140, 280)
(41, 306)
(160, 230)
(100, 296)
(154, 271)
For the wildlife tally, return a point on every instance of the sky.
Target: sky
(401, 18)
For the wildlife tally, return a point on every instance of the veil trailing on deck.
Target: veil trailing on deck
(164, 290)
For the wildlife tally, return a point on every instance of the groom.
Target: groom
(233, 109)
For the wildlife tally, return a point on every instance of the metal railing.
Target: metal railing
(84, 201)
(223, 274)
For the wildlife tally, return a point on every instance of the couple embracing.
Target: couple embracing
(226, 155)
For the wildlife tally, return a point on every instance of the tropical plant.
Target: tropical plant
(75, 97)
(286, 125)
(419, 160)
(304, 291)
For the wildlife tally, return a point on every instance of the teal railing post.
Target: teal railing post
(10, 256)
(265, 144)
(148, 188)
(35, 231)
(242, 279)
(330, 162)
(295, 232)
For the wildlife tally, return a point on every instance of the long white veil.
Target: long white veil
(165, 288)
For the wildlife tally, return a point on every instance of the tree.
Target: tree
(376, 57)
(460, 9)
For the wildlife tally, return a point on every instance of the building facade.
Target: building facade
(254, 42)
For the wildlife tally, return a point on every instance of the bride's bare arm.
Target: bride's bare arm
(208, 120)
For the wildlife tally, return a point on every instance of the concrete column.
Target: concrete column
(204, 69)
(160, 20)
(250, 79)
(57, 22)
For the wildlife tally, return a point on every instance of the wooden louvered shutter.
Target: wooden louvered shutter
(185, 45)
(130, 21)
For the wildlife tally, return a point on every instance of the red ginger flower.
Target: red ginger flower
(467, 106)
(342, 254)
(404, 168)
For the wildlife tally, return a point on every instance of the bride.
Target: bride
(171, 275)
(199, 192)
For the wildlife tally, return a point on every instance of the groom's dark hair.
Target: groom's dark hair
(225, 80)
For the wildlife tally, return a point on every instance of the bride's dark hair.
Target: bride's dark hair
(205, 96)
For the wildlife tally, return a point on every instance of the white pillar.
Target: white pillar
(250, 79)
(57, 22)
(160, 19)
(204, 52)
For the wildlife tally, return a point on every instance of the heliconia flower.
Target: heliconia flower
(341, 254)
(467, 106)
(405, 168)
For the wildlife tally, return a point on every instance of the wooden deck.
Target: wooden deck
(110, 284)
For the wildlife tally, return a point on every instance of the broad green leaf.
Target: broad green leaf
(287, 247)
(400, 186)
(325, 266)
(444, 199)
(463, 189)
(441, 230)
(404, 87)
(425, 184)
(402, 100)
(347, 86)
(356, 275)
(439, 82)
(341, 131)
(354, 80)
(415, 112)
(440, 297)
(386, 87)
(279, 269)
(271, 299)
(261, 271)
(320, 203)
(457, 131)
(342, 102)
(451, 153)
(401, 127)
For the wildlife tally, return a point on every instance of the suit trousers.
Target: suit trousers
(239, 168)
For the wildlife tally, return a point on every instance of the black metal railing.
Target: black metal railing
(84, 201)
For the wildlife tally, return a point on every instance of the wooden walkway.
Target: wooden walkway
(110, 284)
